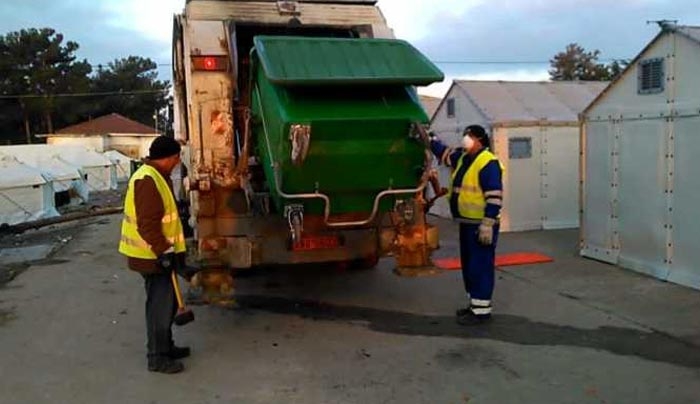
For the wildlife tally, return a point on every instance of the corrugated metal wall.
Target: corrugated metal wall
(641, 189)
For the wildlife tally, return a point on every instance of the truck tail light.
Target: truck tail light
(210, 63)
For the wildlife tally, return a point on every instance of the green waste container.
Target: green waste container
(335, 116)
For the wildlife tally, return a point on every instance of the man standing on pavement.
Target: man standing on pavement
(475, 198)
(153, 241)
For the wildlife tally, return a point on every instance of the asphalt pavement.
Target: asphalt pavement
(570, 331)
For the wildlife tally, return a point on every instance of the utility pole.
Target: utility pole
(155, 119)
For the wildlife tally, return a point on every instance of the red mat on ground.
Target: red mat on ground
(502, 260)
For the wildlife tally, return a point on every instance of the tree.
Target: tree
(145, 95)
(575, 63)
(35, 65)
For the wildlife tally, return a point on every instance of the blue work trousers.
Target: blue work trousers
(478, 261)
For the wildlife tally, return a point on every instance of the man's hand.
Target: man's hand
(486, 231)
(167, 260)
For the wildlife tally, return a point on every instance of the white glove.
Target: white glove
(486, 231)
(169, 250)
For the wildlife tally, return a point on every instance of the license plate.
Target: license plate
(316, 243)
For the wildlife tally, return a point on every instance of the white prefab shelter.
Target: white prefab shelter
(109, 132)
(98, 170)
(66, 180)
(534, 131)
(25, 195)
(641, 189)
(122, 164)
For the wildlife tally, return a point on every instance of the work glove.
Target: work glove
(167, 260)
(486, 231)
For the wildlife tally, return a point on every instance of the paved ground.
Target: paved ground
(574, 331)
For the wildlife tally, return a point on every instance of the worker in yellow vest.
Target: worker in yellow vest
(475, 198)
(153, 242)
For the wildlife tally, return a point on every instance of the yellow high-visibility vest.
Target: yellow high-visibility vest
(131, 244)
(471, 201)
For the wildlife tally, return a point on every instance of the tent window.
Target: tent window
(450, 107)
(651, 76)
(520, 148)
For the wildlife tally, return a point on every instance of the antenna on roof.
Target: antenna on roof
(665, 25)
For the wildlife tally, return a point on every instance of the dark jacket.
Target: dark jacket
(149, 213)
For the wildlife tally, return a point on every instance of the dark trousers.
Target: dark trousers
(478, 261)
(161, 307)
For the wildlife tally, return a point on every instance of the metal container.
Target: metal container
(335, 116)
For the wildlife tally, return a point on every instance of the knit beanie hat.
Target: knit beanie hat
(162, 147)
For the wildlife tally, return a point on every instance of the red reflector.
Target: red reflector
(316, 243)
(210, 63)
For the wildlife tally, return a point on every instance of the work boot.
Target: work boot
(462, 312)
(163, 364)
(472, 319)
(177, 352)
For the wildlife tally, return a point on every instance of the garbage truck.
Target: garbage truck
(305, 136)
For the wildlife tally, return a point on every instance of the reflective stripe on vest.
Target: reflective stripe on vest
(131, 243)
(471, 201)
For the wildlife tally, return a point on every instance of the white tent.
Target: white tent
(534, 132)
(25, 194)
(98, 170)
(66, 180)
(122, 164)
(640, 187)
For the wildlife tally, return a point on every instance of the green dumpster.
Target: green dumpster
(335, 117)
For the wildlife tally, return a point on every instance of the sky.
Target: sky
(466, 39)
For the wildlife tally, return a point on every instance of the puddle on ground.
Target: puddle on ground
(649, 345)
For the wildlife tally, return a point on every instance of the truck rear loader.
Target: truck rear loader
(305, 137)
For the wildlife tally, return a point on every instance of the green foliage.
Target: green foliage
(575, 63)
(44, 85)
(38, 62)
(132, 74)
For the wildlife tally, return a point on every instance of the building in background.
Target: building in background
(430, 104)
(641, 138)
(534, 128)
(109, 132)
(68, 183)
(25, 194)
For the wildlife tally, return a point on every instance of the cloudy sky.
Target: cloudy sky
(470, 39)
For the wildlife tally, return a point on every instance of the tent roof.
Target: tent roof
(14, 174)
(73, 154)
(78, 155)
(688, 31)
(42, 159)
(430, 104)
(115, 155)
(108, 125)
(503, 102)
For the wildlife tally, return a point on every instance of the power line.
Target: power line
(134, 92)
(139, 92)
(486, 62)
(473, 62)
(512, 62)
